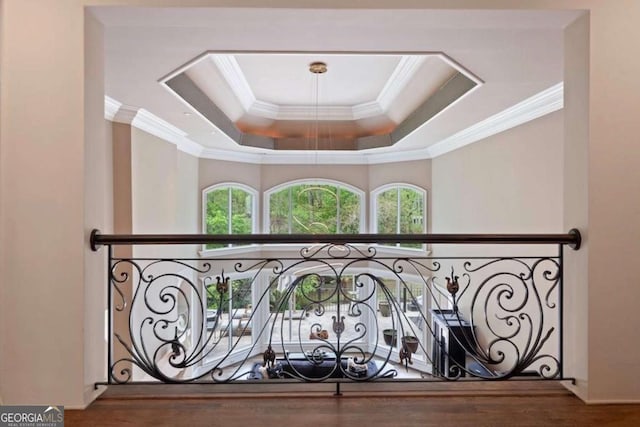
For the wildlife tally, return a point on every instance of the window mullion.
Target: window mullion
(290, 210)
(398, 212)
(338, 231)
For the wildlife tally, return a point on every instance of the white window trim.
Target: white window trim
(266, 223)
(203, 214)
(374, 210)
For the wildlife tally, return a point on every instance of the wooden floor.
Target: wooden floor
(475, 405)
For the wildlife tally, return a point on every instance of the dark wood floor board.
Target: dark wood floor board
(290, 411)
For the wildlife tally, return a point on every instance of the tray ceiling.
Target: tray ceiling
(513, 58)
(362, 101)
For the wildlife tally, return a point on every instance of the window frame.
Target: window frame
(374, 210)
(266, 223)
(254, 211)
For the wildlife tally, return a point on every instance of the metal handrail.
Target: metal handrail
(573, 239)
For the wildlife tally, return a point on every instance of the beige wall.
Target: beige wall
(576, 202)
(2, 296)
(42, 208)
(98, 205)
(508, 183)
(217, 171)
(45, 286)
(122, 206)
(188, 194)
(121, 160)
(614, 205)
(356, 175)
(164, 192)
(153, 183)
(417, 172)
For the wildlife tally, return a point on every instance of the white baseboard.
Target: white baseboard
(90, 394)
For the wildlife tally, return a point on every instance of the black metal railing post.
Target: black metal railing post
(561, 308)
(110, 315)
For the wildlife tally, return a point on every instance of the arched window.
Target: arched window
(399, 209)
(228, 208)
(314, 207)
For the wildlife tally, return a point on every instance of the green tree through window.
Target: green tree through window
(314, 209)
(229, 210)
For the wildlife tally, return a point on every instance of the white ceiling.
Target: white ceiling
(350, 80)
(517, 54)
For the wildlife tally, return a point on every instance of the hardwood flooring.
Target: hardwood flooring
(477, 405)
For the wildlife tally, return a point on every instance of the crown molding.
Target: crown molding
(300, 112)
(398, 156)
(545, 102)
(190, 147)
(397, 81)
(152, 124)
(231, 156)
(125, 114)
(366, 109)
(288, 157)
(230, 70)
(322, 112)
(327, 157)
(399, 78)
(264, 109)
(111, 107)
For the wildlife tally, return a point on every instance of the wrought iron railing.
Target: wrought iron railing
(338, 308)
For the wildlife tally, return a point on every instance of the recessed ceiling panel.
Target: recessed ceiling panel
(276, 97)
(285, 79)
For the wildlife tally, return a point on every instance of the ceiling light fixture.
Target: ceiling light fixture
(317, 68)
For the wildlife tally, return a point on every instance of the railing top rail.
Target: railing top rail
(572, 238)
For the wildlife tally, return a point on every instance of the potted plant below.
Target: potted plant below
(411, 343)
(390, 337)
(385, 308)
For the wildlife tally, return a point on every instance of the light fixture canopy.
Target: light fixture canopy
(318, 67)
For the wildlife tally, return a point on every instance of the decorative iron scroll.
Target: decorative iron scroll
(334, 312)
